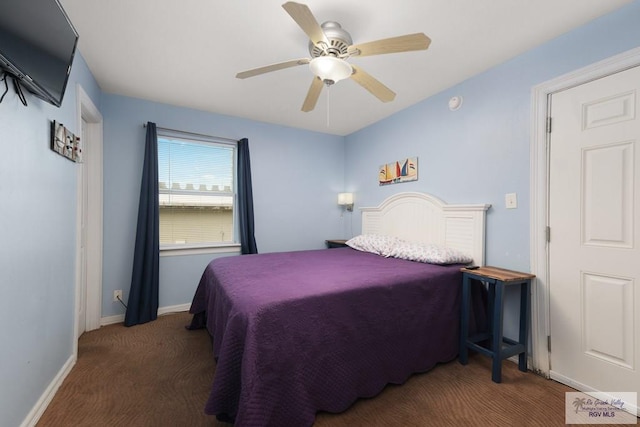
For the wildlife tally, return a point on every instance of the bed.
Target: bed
(299, 332)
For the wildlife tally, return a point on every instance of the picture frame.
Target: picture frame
(65, 143)
(405, 170)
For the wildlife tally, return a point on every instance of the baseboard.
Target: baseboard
(174, 309)
(515, 359)
(41, 405)
(110, 320)
(119, 318)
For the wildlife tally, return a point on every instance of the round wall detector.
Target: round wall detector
(455, 103)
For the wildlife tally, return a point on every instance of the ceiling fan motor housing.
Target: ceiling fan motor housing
(339, 41)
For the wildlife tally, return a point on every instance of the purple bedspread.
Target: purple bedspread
(299, 332)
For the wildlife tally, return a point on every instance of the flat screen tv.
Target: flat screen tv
(37, 45)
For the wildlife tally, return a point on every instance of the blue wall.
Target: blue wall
(296, 178)
(481, 152)
(37, 246)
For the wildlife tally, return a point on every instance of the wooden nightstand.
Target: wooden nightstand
(336, 243)
(500, 347)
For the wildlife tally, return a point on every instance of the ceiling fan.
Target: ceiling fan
(330, 46)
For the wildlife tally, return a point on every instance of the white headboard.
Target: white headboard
(424, 218)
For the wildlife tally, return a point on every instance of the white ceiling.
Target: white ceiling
(187, 52)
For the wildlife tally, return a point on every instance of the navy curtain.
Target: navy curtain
(245, 200)
(143, 295)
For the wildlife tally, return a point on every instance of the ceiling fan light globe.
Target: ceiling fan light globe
(330, 69)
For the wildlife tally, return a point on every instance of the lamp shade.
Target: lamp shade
(330, 69)
(345, 198)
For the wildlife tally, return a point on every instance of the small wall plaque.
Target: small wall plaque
(65, 143)
(399, 171)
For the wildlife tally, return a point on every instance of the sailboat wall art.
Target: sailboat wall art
(399, 171)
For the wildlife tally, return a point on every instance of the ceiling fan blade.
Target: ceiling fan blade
(376, 88)
(313, 95)
(409, 42)
(272, 67)
(305, 20)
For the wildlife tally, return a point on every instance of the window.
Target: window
(196, 192)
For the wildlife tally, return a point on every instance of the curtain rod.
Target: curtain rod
(144, 125)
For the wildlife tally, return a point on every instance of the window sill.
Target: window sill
(200, 250)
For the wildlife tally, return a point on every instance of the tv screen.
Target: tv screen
(37, 45)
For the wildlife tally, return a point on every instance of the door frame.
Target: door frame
(539, 192)
(86, 109)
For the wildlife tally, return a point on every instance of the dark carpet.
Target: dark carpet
(160, 374)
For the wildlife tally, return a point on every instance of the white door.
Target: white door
(82, 234)
(594, 248)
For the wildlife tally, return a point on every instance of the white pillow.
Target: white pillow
(429, 253)
(374, 243)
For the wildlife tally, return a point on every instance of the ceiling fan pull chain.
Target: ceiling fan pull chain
(328, 90)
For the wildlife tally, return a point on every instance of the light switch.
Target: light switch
(511, 200)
